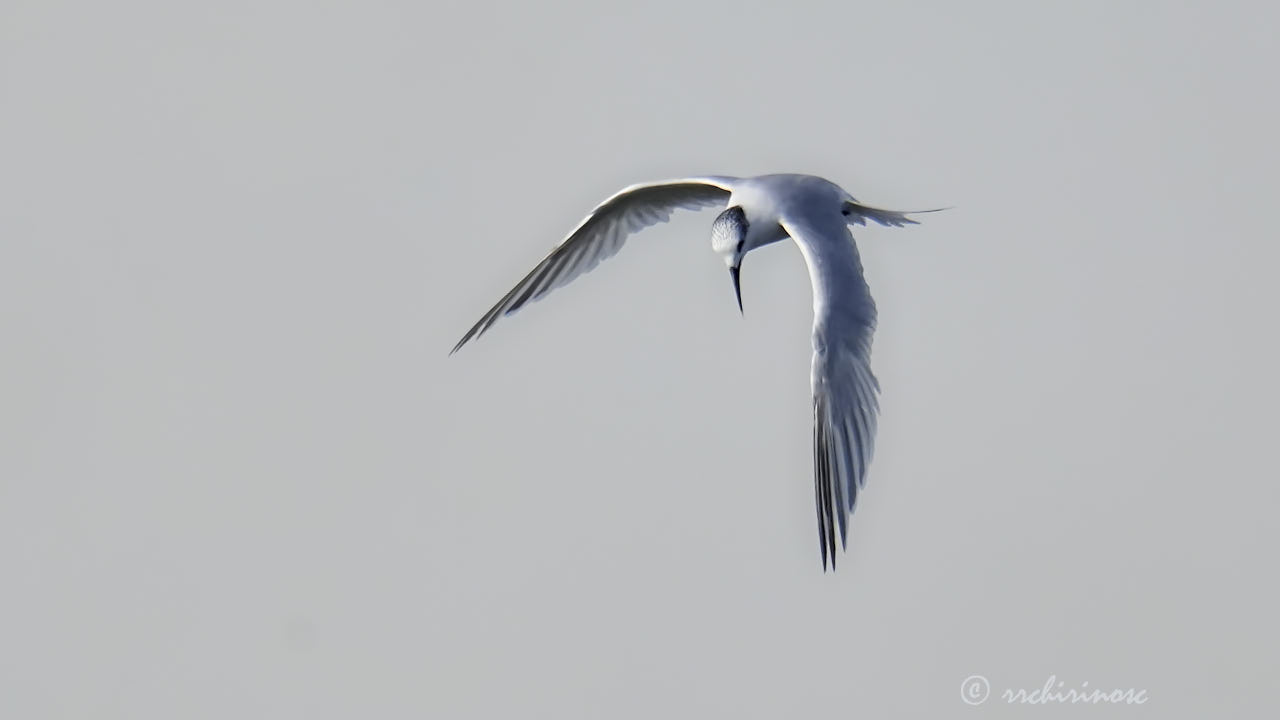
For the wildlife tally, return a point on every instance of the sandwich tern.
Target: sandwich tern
(758, 211)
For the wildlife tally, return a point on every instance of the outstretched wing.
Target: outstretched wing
(844, 388)
(601, 234)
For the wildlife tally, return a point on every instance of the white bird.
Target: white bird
(816, 214)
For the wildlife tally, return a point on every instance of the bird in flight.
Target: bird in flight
(816, 214)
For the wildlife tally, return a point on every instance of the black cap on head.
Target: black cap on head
(728, 234)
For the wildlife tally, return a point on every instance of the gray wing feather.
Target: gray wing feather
(844, 415)
(601, 235)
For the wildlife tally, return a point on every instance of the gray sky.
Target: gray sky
(241, 478)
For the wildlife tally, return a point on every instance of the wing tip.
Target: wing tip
(829, 500)
(473, 334)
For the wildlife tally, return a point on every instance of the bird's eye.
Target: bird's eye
(845, 212)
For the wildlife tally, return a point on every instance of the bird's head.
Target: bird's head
(729, 239)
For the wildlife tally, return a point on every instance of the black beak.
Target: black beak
(737, 289)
